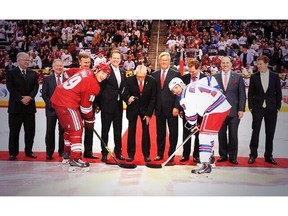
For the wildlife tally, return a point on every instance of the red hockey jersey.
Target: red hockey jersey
(78, 91)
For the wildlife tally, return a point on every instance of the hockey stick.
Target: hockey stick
(150, 165)
(103, 144)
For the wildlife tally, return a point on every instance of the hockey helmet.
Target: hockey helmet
(176, 81)
(71, 71)
(104, 67)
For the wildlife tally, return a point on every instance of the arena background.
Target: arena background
(153, 10)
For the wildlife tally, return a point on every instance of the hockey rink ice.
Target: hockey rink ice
(19, 178)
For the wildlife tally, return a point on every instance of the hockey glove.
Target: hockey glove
(89, 124)
(193, 128)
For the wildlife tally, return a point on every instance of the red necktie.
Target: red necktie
(162, 79)
(58, 80)
(194, 78)
(140, 87)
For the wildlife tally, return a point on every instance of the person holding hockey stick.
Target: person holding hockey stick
(194, 75)
(72, 102)
(209, 103)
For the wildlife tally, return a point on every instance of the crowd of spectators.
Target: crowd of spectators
(206, 40)
(242, 40)
(46, 40)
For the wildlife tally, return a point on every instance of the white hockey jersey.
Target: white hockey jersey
(198, 99)
(209, 81)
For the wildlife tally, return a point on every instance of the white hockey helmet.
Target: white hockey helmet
(176, 81)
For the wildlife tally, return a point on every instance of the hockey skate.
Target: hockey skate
(65, 158)
(204, 170)
(78, 165)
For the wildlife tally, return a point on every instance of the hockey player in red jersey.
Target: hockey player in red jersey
(208, 102)
(72, 102)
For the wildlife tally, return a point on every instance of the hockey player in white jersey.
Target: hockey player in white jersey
(206, 101)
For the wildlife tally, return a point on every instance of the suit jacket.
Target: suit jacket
(187, 77)
(235, 92)
(108, 96)
(256, 94)
(48, 88)
(146, 103)
(18, 87)
(165, 101)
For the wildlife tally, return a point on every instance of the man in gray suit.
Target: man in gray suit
(233, 87)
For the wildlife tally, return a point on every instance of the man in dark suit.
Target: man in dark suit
(22, 85)
(167, 107)
(193, 76)
(111, 105)
(140, 97)
(150, 70)
(264, 101)
(233, 87)
(49, 84)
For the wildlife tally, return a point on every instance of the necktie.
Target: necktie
(162, 79)
(194, 78)
(140, 87)
(225, 81)
(24, 74)
(58, 80)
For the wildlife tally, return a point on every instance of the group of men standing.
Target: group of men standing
(163, 94)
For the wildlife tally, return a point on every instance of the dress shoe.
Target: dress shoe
(129, 159)
(91, 156)
(158, 158)
(222, 159)
(270, 160)
(183, 159)
(251, 160)
(49, 157)
(12, 157)
(120, 157)
(196, 159)
(104, 158)
(147, 159)
(233, 161)
(31, 155)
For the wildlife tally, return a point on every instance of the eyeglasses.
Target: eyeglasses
(25, 60)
